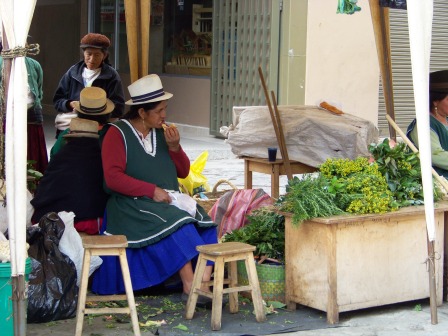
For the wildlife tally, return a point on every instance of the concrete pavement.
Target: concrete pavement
(410, 318)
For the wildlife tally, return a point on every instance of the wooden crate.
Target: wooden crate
(344, 263)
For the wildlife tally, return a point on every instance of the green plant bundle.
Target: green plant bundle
(402, 171)
(358, 186)
(307, 198)
(265, 230)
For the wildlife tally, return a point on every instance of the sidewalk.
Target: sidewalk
(400, 319)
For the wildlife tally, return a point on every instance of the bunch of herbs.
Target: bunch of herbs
(265, 230)
(401, 169)
(358, 186)
(307, 197)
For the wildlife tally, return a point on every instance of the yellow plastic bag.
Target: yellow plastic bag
(196, 182)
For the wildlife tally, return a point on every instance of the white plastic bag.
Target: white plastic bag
(71, 245)
(184, 202)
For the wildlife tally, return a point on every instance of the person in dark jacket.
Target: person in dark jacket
(93, 70)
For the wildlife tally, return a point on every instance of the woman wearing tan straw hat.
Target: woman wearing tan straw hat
(438, 112)
(73, 180)
(141, 163)
(92, 105)
(94, 70)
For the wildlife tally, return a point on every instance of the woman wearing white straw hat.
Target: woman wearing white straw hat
(141, 163)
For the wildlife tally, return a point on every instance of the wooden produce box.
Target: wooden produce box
(344, 263)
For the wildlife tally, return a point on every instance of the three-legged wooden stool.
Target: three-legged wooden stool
(105, 246)
(223, 253)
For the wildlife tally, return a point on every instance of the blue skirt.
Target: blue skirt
(153, 264)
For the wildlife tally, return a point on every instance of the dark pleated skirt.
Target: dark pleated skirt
(153, 264)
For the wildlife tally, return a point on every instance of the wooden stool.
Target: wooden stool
(105, 246)
(275, 169)
(223, 253)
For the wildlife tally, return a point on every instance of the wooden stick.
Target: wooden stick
(380, 21)
(130, 7)
(145, 17)
(282, 138)
(432, 282)
(271, 111)
(439, 178)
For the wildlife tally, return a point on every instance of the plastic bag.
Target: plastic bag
(184, 202)
(52, 290)
(71, 245)
(195, 182)
(230, 211)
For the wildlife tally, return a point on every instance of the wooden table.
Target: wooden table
(275, 169)
(344, 263)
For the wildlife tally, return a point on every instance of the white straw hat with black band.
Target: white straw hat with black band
(147, 89)
(93, 101)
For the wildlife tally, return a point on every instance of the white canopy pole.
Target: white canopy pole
(420, 14)
(16, 18)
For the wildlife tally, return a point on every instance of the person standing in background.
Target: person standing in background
(93, 70)
(37, 148)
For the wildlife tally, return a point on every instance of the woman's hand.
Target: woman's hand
(161, 195)
(172, 137)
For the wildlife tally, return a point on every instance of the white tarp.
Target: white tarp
(420, 29)
(312, 134)
(16, 16)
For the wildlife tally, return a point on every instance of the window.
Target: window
(188, 37)
(180, 34)
(107, 17)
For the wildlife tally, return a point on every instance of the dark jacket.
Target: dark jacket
(71, 85)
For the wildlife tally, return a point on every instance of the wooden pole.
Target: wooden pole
(432, 282)
(273, 118)
(130, 7)
(380, 20)
(439, 178)
(282, 138)
(145, 14)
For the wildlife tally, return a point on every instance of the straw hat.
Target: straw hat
(147, 89)
(93, 40)
(93, 101)
(83, 128)
(438, 81)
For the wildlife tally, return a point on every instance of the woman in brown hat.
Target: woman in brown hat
(93, 70)
(438, 111)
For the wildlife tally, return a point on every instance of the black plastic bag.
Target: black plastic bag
(398, 4)
(52, 289)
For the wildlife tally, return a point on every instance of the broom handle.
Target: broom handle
(439, 178)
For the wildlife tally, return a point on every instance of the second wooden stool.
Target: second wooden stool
(105, 246)
(221, 254)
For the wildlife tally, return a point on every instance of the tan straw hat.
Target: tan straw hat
(83, 128)
(147, 89)
(93, 101)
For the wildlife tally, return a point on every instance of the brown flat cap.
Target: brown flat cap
(93, 40)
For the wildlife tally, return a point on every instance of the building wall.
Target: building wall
(328, 56)
(190, 104)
